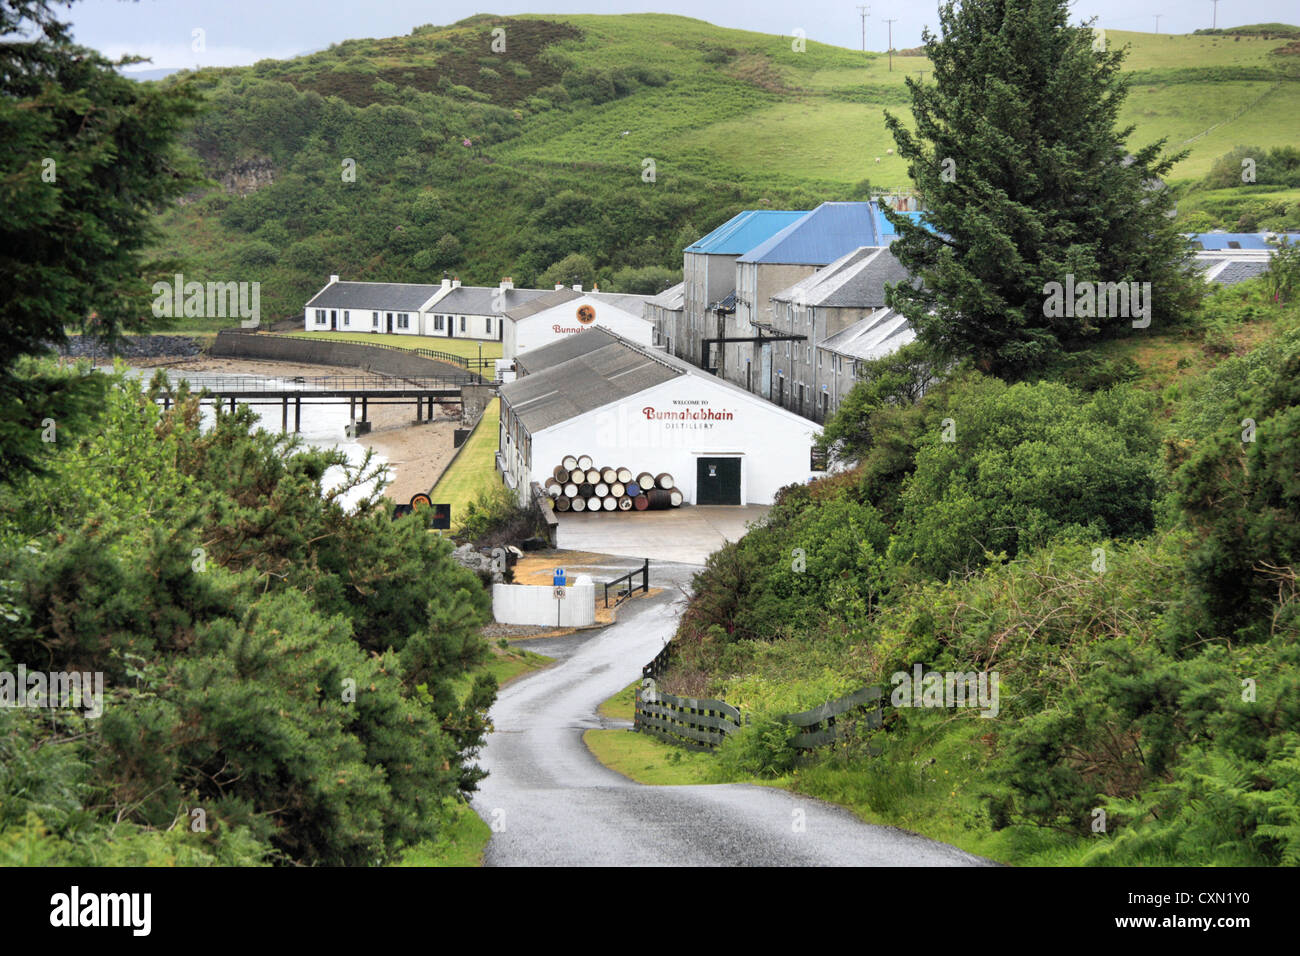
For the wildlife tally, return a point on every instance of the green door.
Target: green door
(717, 481)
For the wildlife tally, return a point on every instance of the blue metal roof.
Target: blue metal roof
(1236, 240)
(831, 230)
(744, 231)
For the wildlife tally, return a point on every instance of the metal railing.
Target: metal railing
(335, 383)
(622, 595)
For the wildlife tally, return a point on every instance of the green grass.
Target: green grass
(465, 348)
(647, 760)
(474, 468)
(465, 836)
(622, 706)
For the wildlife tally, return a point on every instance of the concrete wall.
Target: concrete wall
(536, 604)
(320, 352)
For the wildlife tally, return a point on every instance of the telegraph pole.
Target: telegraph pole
(862, 12)
(891, 21)
(1214, 22)
(1158, 16)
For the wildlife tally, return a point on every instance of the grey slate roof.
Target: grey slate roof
(554, 353)
(404, 296)
(564, 390)
(611, 368)
(856, 280)
(478, 300)
(673, 299)
(635, 304)
(872, 337)
(1235, 272)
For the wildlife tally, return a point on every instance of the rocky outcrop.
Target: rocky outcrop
(244, 178)
(478, 562)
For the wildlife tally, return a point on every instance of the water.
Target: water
(322, 426)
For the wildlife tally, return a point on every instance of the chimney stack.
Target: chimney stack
(333, 279)
(455, 283)
(507, 283)
(559, 286)
(577, 287)
(446, 281)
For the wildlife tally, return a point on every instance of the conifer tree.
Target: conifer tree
(1027, 180)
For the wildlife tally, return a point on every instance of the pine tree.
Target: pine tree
(1027, 180)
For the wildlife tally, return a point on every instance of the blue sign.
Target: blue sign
(558, 579)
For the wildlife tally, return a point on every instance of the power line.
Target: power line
(891, 21)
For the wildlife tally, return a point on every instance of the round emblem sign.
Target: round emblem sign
(586, 314)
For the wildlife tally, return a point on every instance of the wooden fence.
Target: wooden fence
(825, 724)
(688, 721)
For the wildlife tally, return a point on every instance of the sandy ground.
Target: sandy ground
(417, 454)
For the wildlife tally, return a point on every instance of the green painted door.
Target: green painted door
(717, 481)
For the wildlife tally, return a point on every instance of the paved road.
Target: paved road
(552, 804)
(689, 533)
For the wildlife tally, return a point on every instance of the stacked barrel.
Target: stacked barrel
(577, 484)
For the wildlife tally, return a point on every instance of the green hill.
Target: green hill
(560, 126)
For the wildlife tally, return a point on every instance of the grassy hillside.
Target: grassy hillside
(487, 164)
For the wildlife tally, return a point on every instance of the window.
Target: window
(438, 323)
(347, 318)
(488, 323)
(807, 355)
(374, 319)
(826, 401)
(320, 316)
(403, 320)
(462, 323)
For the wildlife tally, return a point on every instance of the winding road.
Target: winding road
(551, 803)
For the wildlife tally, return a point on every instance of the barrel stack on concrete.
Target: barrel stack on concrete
(577, 484)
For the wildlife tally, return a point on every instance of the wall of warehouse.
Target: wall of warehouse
(561, 320)
(668, 427)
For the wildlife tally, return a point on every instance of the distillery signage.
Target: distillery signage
(688, 413)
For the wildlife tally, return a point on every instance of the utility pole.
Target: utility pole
(891, 21)
(1158, 16)
(862, 12)
(1214, 23)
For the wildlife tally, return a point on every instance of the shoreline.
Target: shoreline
(417, 454)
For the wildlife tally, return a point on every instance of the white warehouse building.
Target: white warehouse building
(629, 405)
(564, 312)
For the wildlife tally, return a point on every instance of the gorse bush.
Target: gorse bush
(283, 664)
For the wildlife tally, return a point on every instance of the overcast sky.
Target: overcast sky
(240, 32)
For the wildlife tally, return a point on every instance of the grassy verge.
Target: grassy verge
(464, 838)
(465, 348)
(622, 705)
(644, 759)
(474, 469)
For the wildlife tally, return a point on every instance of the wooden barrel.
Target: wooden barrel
(645, 480)
(624, 475)
(568, 463)
(618, 489)
(609, 475)
(578, 504)
(624, 503)
(675, 497)
(631, 489)
(586, 490)
(571, 490)
(602, 489)
(577, 476)
(584, 462)
(659, 498)
(609, 504)
(640, 502)
(562, 504)
(664, 480)
(561, 473)
(553, 487)
(593, 476)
